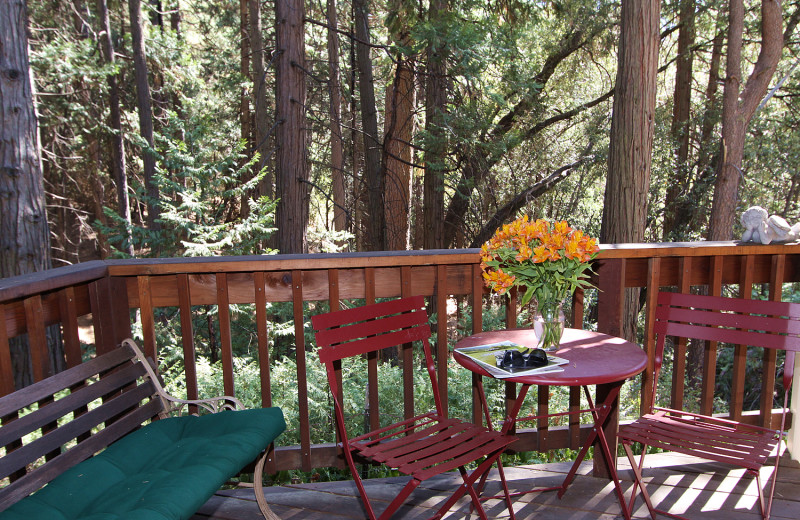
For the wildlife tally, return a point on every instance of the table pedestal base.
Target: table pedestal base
(599, 415)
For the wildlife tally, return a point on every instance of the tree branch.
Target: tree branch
(767, 62)
(522, 198)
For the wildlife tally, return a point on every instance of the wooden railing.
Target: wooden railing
(109, 291)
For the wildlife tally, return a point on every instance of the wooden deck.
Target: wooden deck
(682, 485)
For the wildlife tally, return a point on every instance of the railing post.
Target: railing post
(102, 306)
(611, 296)
(610, 306)
(793, 437)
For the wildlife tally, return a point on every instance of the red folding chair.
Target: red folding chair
(421, 447)
(735, 321)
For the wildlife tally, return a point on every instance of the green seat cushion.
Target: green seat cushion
(165, 470)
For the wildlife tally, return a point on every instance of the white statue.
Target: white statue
(760, 228)
(754, 220)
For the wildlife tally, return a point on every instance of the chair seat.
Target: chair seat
(706, 437)
(428, 445)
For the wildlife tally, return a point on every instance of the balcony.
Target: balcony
(117, 298)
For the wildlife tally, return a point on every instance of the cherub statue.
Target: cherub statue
(758, 227)
(754, 220)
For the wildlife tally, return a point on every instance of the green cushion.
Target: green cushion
(165, 470)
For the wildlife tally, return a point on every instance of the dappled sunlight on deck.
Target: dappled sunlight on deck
(678, 483)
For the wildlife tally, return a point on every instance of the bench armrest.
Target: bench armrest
(173, 405)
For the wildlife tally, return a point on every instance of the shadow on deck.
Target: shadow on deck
(682, 485)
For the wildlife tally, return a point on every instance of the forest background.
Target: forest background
(417, 125)
(188, 128)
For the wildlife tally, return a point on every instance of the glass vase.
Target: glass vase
(548, 325)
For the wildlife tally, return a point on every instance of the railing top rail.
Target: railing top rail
(153, 266)
(25, 285)
(418, 257)
(703, 248)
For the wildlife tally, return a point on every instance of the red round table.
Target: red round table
(594, 359)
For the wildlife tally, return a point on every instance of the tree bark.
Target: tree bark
(24, 236)
(690, 215)
(24, 231)
(632, 127)
(436, 146)
(337, 148)
(145, 109)
(292, 168)
(373, 173)
(681, 125)
(356, 146)
(398, 131)
(711, 117)
(118, 167)
(245, 94)
(739, 106)
(175, 18)
(261, 123)
(632, 124)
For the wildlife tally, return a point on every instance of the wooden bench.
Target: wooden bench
(103, 440)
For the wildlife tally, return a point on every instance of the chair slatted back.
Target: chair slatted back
(370, 328)
(736, 321)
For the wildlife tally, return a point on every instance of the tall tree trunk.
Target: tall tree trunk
(292, 169)
(245, 114)
(99, 194)
(24, 232)
(373, 173)
(261, 122)
(691, 215)
(356, 146)
(680, 175)
(632, 126)
(417, 212)
(145, 108)
(792, 195)
(436, 147)
(337, 153)
(680, 128)
(25, 237)
(710, 116)
(118, 167)
(156, 74)
(398, 129)
(175, 18)
(399, 126)
(688, 213)
(739, 106)
(628, 180)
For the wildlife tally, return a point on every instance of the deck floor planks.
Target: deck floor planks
(680, 484)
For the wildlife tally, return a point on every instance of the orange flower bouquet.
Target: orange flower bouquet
(549, 260)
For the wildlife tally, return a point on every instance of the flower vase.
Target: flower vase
(548, 325)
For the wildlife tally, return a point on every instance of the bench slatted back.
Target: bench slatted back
(96, 402)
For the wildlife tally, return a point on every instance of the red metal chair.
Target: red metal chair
(735, 321)
(424, 446)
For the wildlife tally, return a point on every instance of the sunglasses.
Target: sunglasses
(516, 359)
